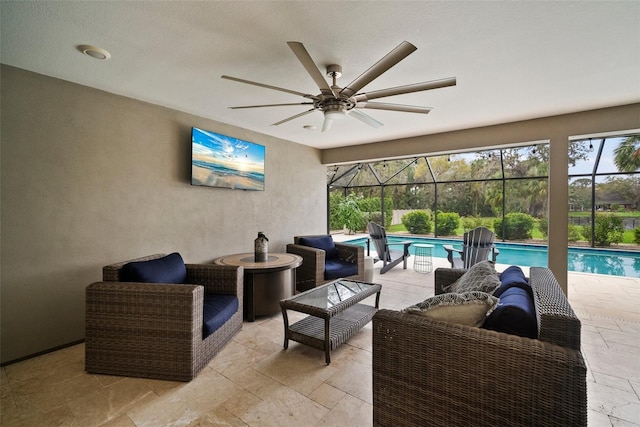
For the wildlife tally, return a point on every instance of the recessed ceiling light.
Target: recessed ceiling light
(309, 127)
(94, 52)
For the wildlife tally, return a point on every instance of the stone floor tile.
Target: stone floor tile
(326, 395)
(611, 401)
(597, 419)
(284, 407)
(110, 402)
(349, 411)
(355, 380)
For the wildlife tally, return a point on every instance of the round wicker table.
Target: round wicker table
(266, 282)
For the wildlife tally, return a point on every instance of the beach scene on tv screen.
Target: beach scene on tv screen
(222, 161)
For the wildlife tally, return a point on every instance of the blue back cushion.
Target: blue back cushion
(217, 310)
(168, 269)
(336, 268)
(325, 243)
(514, 314)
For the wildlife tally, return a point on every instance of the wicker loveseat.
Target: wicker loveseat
(156, 330)
(433, 373)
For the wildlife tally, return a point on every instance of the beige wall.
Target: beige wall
(557, 130)
(89, 178)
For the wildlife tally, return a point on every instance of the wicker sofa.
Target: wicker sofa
(432, 373)
(156, 330)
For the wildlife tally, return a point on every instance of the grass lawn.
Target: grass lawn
(587, 214)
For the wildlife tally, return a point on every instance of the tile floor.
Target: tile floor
(254, 382)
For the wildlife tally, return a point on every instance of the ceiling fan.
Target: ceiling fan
(336, 102)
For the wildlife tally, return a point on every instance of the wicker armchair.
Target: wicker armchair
(433, 373)
(155, 330)
(312, 271)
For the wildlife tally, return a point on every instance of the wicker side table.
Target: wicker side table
(423, 261)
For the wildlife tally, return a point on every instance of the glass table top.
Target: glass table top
(329, 295)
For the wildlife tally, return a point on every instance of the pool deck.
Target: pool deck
(609, 310)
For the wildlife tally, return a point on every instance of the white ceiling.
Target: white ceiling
(512, 60)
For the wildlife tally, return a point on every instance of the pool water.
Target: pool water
(587, 260)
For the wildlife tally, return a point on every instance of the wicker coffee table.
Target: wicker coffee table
(334, 314)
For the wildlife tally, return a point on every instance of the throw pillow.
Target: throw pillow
(480, 277)
(168, 269)
(325, 243)
(469, 308)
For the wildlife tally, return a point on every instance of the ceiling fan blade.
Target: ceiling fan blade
(326, 125)
(365, 118)
(304, 113)
(271, 105)
(403, 50)
(394, 107)
(249, 82)
(311, 67)
(399, 90)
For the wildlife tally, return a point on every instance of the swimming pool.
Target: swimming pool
(587, 260)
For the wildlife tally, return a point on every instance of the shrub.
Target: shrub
(636, 235)
(517, 226)
(609, 229)
(471, 222)
(417, 222)
(468, 223)
(448, 223)
(574, 233)
(335, 222)
(371, 209)
(543, 226)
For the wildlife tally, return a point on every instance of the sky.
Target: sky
(606, 160)
(227, 148)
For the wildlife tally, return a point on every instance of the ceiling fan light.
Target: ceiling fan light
(334, 114)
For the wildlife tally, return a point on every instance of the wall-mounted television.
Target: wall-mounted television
(222, 161)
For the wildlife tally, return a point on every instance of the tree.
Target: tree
(580, 194)
(349, 214)
(627, 154)
(625, 188)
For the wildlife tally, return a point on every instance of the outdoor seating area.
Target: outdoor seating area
(253, 381)
(231, 213)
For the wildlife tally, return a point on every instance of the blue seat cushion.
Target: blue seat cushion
(336, 268)
(325, 243)
(217, 310)
(514, 314)
(168, 269)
